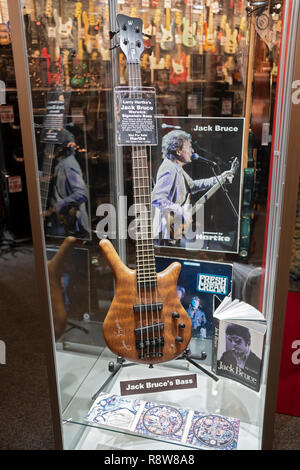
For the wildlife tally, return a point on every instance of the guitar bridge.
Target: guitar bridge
(148, 347)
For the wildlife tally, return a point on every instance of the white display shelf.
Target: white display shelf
(82, 376)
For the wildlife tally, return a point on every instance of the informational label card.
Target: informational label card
(54, 120)
(135, 116)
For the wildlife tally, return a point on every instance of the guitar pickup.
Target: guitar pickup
(153, 307)
(149, 329)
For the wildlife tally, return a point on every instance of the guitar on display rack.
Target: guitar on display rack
(179, 72)
(91, 30)
(34, 32)
(168, 39)
(64, 30)
(209, 43)
(54, 66)
(156, 62)
(146, 322)
(189, 37)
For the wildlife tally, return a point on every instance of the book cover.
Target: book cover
(238, 343)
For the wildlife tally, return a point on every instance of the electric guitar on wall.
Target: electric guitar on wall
(146, 322)
(209, 44)
(34, 30)
(91, 33)
(54, 66)
(156, 62)
(179, 72)
(64, 30)
(168, 39)
(189, 38)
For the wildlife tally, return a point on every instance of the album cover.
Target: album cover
(165, 422)
(196, 173)
(113, 410)
(200, 285)
(213, 431)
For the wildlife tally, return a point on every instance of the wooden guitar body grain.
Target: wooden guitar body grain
(121, 321)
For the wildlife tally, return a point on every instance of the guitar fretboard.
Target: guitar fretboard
(145, 259)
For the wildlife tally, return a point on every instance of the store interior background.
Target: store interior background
(24, 392)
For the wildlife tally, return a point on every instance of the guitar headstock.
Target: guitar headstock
(78, 10)
(131, 38)
(178, 19)
(49, 9)
(156, 19)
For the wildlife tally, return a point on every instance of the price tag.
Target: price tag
(145, 3)
(168, 3)
(2, 92)
(158, 36)
(223, 40)
(201, 38)
(51, 32)
(215, 7)
(14, 184)
(178, 39)
(7, 114)
(81, 33)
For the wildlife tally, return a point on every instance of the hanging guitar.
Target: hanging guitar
(146, 322)
(179, 71)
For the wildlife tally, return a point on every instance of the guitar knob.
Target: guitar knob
(175, 315)
(178, 339)
(181, 325)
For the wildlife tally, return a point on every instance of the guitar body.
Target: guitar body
(179, 72)
(231, 45)
(168, 38)
(121, 320)
(189, 33)
(156, 64)
(209, 43)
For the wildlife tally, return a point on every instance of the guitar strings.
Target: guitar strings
(130, 79)
(146, 230)
(141, 169)
(151, 256)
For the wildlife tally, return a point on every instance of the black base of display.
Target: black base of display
(187, 355)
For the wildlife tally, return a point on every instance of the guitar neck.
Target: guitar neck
(206, 197)
(146, 271)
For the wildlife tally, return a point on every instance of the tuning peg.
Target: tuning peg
(114, 47)
(112, 34)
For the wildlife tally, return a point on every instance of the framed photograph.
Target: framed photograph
(196, 174)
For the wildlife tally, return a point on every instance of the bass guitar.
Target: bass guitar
(146, 322)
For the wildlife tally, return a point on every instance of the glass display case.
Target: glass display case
(208, 80)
